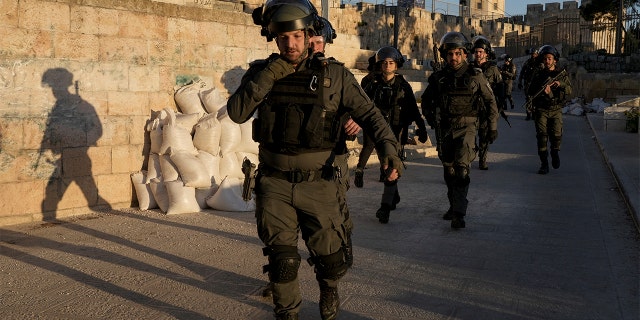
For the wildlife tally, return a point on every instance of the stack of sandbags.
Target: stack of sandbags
(196, 154)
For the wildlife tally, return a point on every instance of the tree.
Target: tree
(604, 9)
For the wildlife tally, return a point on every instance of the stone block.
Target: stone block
(33, 130)
(93, 20)
(128, 50)
(111, 76)
(144, 79)
(614, 118)
(80, 162)
(164, 52)
(44, 15)
(127, 159)
(20, 43)
(115, 131)
(128, 103)
(137, 130)
(21, 197)
(142, 26)
(74, 193)
(76, 46)
(115, 188)
(9, 13)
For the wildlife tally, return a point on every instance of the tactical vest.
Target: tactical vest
(458, 98)
(293, 118)
(386, 97)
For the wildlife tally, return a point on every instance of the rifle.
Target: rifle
(436, 65)
(249, 170)
(505, 117)
(527, 105)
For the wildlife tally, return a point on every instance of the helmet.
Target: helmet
(547, 49)
(390, 53)
(277, 16)
(508, 58)
(482, 43)
(325, 30)
(454, 40)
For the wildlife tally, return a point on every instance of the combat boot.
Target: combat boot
(396, 200)
(329, 303)
(359, 178)
(287, 316)
(555, 159)
(457, 222)
(383, 213)
(448, 215)
(482, 162)
(544, 162)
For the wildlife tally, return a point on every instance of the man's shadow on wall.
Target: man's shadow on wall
(72, 128)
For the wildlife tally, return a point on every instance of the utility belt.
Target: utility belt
(328, 173)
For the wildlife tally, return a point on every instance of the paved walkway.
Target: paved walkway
(562, 246)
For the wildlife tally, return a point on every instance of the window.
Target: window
(479, 5)
(495, 6)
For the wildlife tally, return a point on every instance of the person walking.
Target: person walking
(528, 68)
(508, 71)
(393, 95)
(451, 103)
(548, 98)
(317, 45)
(297, 97)
(482, 52)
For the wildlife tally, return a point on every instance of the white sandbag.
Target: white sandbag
(182, 199)
(211, 164)
(143, 191)
(191, 169)
(175, 139)
(207, 134)
(230, 136)
(188, 121)
(202, 194)
(168, 168)
(159, 193)
(213, 100)
(153, 167)
(229, 197)
(155, 135)
(246, 140)
(231, 166)
(187, 98)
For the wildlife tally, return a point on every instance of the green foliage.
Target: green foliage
(604, 9)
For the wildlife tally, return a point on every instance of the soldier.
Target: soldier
(318, 45)
(481, 52)
(298, 97)
(547, 105)
(450, 103)
(393, 95)
(528, 68)
(508, 71)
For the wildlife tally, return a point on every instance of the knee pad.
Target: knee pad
(542, 141)
(331, 266)
(284, 262)
(449, 172)
(462, 172)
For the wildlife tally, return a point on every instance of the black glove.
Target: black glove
(394, 162)
(278, 68)
(493, 135)
(422, 135)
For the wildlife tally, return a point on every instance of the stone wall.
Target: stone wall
(80, 78)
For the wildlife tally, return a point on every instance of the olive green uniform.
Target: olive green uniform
(451, 103)
(547, 111)
(494, 77)
(296, 184)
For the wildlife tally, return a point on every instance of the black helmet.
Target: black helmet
(508, 58)
(277, 16)
(454, 40)
(390, 53)
(482, 43)
(547, 49)
(325, 30)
